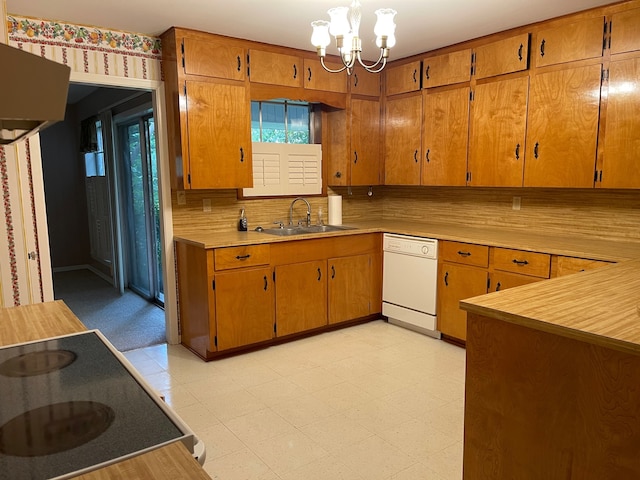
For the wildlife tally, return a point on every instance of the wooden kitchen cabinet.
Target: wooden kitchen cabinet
(218, 126)
(625, 31)
(521, 262)
(447, 69)
(562, 128)
(365, 83)
(504, 56)
(402, 78)
(275, 68)
(445, 137)
(244, 307)
(561, 265)
(366, 142)
(350, 287)
(301, 297)
(621, 158)
(210, 58)
(317, 78)
(499, 281)
(403, 119)
(570, 42)
(498, 131)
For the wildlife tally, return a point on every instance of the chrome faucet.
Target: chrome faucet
(308, 211)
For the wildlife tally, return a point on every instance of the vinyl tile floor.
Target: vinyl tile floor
(369, 402)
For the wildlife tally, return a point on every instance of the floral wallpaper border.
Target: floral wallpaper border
(34, 30)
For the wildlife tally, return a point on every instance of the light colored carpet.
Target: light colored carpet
(128, 321)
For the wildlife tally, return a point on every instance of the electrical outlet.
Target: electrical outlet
(516, 203)
(206, 205)
(182, 197)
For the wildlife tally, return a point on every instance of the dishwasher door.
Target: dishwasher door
(410, 282)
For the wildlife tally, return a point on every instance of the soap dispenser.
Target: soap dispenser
(242, 222)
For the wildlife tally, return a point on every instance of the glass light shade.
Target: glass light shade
(384, 24)
(391, 39)
(339, 21)
(320, 37)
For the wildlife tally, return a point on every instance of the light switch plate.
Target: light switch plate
(182, 197)
(206, 205)
(516, 203)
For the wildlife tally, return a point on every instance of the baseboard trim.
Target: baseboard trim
(91, 268)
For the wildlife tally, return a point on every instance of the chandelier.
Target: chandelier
(344, 26)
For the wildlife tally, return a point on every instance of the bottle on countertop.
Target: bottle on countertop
(242, 222)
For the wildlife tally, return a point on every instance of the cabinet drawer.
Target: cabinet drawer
(466, 253)
(238, 257)
(518, 261)
(570, 265)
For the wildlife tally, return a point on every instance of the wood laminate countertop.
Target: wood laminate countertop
(581, 247)
(600, 306)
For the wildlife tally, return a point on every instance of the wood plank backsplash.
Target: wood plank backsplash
(605, 214)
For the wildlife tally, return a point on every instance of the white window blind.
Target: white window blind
(286, 169)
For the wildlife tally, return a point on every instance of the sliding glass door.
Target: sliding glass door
(141, 207)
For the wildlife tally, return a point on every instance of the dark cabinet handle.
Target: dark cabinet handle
(295, 71)
(518, 152)
(243, 257)
(464, 254)
(355, 79)
(446, 279)
(520, 262)
(415, 156)
(426, 72)
(338, 174)
(535, 150)
(309, 69)
(427, 155)
(415, 79)
(319, 274)
(355, 155)
(239, 63)
(333, 271)
(520, 52)
(542, 47)
(498, 287)
(241, 154)
(266, 283)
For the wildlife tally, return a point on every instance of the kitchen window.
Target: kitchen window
(280, 121)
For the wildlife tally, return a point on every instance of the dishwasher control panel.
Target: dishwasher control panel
(415, 246)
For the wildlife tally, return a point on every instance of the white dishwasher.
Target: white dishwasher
(409, 280)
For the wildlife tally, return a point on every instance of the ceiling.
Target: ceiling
(422, 25)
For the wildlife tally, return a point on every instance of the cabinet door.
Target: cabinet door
(365, 142)
(621, 159)
(563, 128)
(275, 68)
(402, 140)
(502, 280)
(212, 59)
(365, 83)
(504, 56)
(219, 135)
(336, 149)
(301, 297)
(455, 283)
(445, 137)
(625, 31)
(447, 69)
(571, 265)
(244, 307)
(317, 78)
(567, 43)
(349, 288)
(403, 78)
(498, 130)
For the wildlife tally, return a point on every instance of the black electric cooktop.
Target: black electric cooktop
(72, 404)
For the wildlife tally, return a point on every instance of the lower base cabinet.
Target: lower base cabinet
(301, 297)
(350, 287)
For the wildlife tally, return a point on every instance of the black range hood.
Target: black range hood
(33, 93)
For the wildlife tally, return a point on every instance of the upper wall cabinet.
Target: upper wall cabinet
(213, 59)
(625, 31)
(365, 142)
(403, 78)
(562, 128)
(402, 140)
(568, 43)
(275, 68)
(504, 56)
(447, 69)
(365, 83)
(317, 78)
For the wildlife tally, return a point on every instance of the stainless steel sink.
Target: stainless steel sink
(301, 230)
